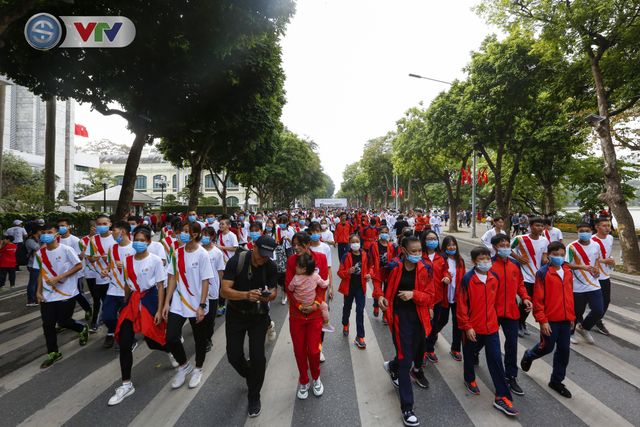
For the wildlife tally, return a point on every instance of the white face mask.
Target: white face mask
(323, 226)
(355, 246)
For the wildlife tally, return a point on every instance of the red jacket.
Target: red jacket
(422, 294)
(8, 256)
(476, 304)
(342, 233)
(440, 271)
(323, 271)
(461, 270)
(510, 283)
(553, 296)
(343, 272)
(369, 236)
(420, 223)
(382, 273)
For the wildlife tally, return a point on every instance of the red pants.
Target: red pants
(307, 344)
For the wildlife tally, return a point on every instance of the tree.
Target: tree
(378, 169)
(603, 37)
(354, 184)
(23, 187)
(94, 180)
(170, 199)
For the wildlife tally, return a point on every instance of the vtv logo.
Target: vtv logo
(98, 31)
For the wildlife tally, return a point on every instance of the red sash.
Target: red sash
(603, 251)
(47, 262)
(530, 249)
(181, 269)
(116, 255)
(222, 244)
(278, 235)
(548, 236)
(578, 247)
(99, 245)
(130, 272)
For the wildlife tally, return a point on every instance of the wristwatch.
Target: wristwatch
(203, 306)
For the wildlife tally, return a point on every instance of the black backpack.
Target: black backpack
(22, 254)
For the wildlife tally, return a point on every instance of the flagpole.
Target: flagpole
(473, 197)
(395, 186)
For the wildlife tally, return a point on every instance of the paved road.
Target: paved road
(604, 378)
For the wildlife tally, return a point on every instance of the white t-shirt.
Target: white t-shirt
(229, 240)
(451, 289)
(89, 270)
(18, 233)
(117, 283)
(326, 236)
(53, 263)
(530, 269)
(553, 235)
(482, 277)
(216, 257)
(149, 271)
(486, 240)
(288, 233)
(73, 242)
(185, 302)
(607, 242)
(411, 221)
(560, 272)
(101, 264)
(325, 249)
(158, 250)
(583, 281)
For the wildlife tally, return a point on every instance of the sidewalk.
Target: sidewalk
(464, 235)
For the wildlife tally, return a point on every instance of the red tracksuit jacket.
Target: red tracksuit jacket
(510, 283)
(440, 271)
(553, 296)
(343, 272)
(461, 270)
(382, 273)
(476, 304)
(342, 233)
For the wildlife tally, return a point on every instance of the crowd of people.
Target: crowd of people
(203, 267)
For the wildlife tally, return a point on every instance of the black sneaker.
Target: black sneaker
(472, 387)
(209, 346)
(503, 404)
(254, 407)
(601, 328)
(52, 358)
(83, 337)
(392, 375)
(561, 389)
(410, 419)
(108, 341)
(419, 378)
(525, 363)
(515, 387)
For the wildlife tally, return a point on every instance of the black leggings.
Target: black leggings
(200, 336)
(60, 312)
(126, 338)
(98, 292)
(210, 318)
(80, 298)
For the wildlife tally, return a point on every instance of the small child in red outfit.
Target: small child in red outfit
(7, 261)
(304, 284)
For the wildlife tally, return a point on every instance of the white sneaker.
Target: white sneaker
(303, 391)
(585, 334)
(284, 300)
(181, 375)
(172, 360)
(322, 359)
(125, 390)
(573, 339)
(196, 377)
(318, 388)
(271, 332)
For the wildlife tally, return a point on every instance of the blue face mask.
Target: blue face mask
(132, 227)
(62, 230)
(139, 247)
(432, 244)
(185, 237)
(585, 236)
(315, 237)
(451, 252)
(504, 252)
(556, 260)
(101, 229)
(255, 235)
(303, 222)
(192, 218)
(205, 240)
(269, 228)
(47, 238)
(282, 226)
(483, 266)
(118, 239)
(168, 227)
(414, 258)
(241, 217)
(210, 220)
(384, 236)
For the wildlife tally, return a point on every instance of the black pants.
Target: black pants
(60, 312)
(605, 285)
(80, 298)
(4, 272)
(174, 332)
(98, 292)
(440, 320)
(237, 326)
(210, 318)
(523, 313)
(409, 343)
(343, 248)
(127, 338)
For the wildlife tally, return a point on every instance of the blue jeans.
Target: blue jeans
(491, 344)
(357, 295)
(596, 304)
(510, 329)
(32, 285)
(560, 335)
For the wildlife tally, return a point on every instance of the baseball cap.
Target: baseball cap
(266, 245)
(17, 222)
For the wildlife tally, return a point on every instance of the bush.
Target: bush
(569, 218)
(201, 210)
(79, 220)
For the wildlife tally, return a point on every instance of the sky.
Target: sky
(347, 64)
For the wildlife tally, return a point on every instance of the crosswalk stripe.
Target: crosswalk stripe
(479, 409)
(607, 361)
(19, 320)
(62, 408)
(168, 405)
(624, 312)
(377, 400)
(280, 381)
(26, 338)
(582, 404)
(623, 333)
(26, 373)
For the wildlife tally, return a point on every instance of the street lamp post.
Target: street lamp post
(473, 195)
(162, 183)
(105, 183)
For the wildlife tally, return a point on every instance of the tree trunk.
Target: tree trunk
(3, 92)
(549, 202)
(129, 179)
(246, 200)
(453, 205)
(195, 181)
(613, 196)
(50, 156)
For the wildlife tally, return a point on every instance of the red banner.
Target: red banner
(81, 131)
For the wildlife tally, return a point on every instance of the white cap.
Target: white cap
(17, 222)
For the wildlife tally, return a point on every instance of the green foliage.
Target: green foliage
(79, 220)
(22, 187)
(209, 200)
(94, 178)
(169, 199)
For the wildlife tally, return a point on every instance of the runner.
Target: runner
(384, 252)
(478, 318)
(498, 224)
(441, 280)
(552, 233)
(97, 254)
(145, 278)
(326, 235)
(408, 308)
(553, 309)
(227, 242)
(216, 257)
(57, 287)
(187, 299)
(90, 274)
(343, 231)
(66, 238)
(604, 239)
(318, 246)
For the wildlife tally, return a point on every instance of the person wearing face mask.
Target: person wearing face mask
(383, 252)
(441, 279)
(167, 229)
(144, 277)
(498, 224)
(478, 318)
(355, 270)
(97, 253)
(326, 235)
(32, 243)
(553, 309)
(408, 307)
(114, 300)
(369, 234)
(217, 264)
(510, 284)
(582, 257)
(57, 287)
(192, 216)
(255, 231)
(242, 226)
(227, 242)
(282, 238)
(212, 221)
